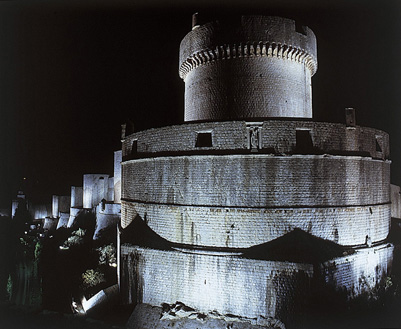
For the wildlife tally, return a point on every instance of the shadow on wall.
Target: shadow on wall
(139, 233)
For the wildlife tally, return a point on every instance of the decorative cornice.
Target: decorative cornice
(248, 50)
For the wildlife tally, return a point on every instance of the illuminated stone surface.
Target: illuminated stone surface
(199, 199)
(236, 285)
(257, 67)
(76, 197)
(395, 201)
(117, 176)
(96, 187)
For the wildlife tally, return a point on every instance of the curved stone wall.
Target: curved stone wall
(245, 227)
(258, 180)
(246, 287)
(237, 201)
(275, 137)
(180, 186)
(260, 67)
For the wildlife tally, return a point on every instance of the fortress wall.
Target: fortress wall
(55, 206)
(109, 208)
(248, 287)
(276, 137)
(245, 227)
(395, 201)
(76, 196)
(74, 212)
(103, 222)
(64, 203)
(95, 189)
(359, 272)
(205, 282)
(258, 181)
(14, 206)
(117, 176)
(260, 68)
(246, 28)
(40, 211)
(269, 87)
(63, 220)
(110, 189)
(4, 212)
(107, 216)
(50, 223)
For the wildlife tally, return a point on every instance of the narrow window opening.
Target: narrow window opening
(204, 139)
(134, 148)
(304, 142)
(378, 147)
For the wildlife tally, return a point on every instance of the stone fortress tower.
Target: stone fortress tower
(208, 205)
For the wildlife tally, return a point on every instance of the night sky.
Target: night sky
(71, 73)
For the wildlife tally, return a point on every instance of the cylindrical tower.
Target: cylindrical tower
(260, 68)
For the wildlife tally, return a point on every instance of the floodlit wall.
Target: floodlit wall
(14, 206)
(55, 205)
(240, 200)
(74, 212)
(256, 181)
(64, 203)
(117, 176)
(220, 185)
(40, 211)
(226, 284)
(395, 201)
(5, 212)
(360, 272)
(95, 189)
(273, 137)
(107, 217)
(260, 67)
(235, 285)
(245, 227)
(63, 220)
(110, 189)
(76, 196)
(50, 224)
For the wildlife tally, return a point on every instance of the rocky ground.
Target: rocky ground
(180, 316)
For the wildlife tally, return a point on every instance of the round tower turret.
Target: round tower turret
(257, 68)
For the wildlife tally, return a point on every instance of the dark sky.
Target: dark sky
(71, 73)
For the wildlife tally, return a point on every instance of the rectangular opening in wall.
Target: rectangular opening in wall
(134, 147)
(378, 145)
(204, 139)
(304, 142)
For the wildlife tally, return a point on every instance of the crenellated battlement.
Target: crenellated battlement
(255, 67)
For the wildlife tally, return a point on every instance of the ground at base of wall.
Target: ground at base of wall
(179, 316)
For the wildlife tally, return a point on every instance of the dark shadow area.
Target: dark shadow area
(7, 254)
(140, 234)
(297, 246)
